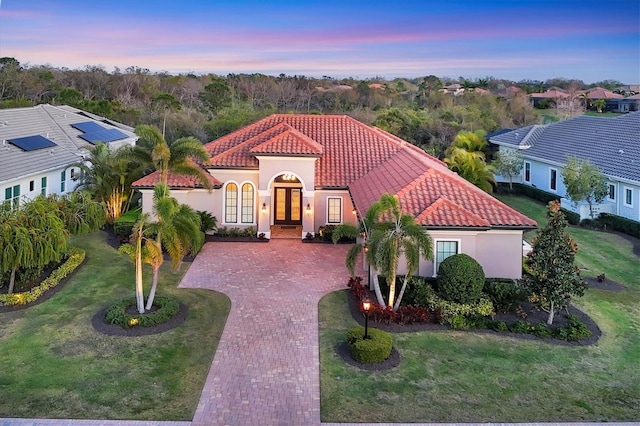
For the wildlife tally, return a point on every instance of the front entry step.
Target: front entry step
(286, 232)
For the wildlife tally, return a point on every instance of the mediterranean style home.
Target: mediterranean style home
(41, 144)
(610, 143)
(309, 171)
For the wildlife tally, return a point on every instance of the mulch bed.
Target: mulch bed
(606, 284)
(342, 349)
(534, 317)
(243, 239)
(103, 327)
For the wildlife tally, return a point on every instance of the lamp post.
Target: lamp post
(366, 305)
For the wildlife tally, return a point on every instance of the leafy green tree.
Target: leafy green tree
(600, 104)
(79, 213)
(216, 95)
(107, 175)
(584, 182)
(554, 278)
(508, 163)
(398, 234)
(154, 153)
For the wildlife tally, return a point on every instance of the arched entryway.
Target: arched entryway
(287, 201)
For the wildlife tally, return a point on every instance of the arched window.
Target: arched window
(231, 203)
(247, 203)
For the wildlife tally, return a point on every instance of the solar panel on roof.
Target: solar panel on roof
(88, 126)
(32, 143)
(104, 135)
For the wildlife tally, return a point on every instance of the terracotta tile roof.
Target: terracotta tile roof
(600, 93)
(350, 148)
(436, 196)
(174, 181)
(551, 94)
(291, 142)
(369, 162)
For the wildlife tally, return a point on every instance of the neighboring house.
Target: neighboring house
(612, 144)
(40, 144)
(629, 104)
(310, 171)
(612, 99)
(559, 98)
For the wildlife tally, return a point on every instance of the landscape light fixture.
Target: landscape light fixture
(366, 305)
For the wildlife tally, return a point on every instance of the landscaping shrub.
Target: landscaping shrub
(375, 349)
(617, 223)
(123, 226)
(536, 194)
(447, 310)
(117, 313)
(207, 221)
(575, 330)
(505, 294)
(75, 258)
(572, 217)
(460, 279)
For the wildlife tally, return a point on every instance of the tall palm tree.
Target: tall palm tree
(366, 225)
(177, 230)
(396, 235)
(467, 157)
(180, 156)
(107, 174)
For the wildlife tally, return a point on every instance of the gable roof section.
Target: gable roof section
(291, 142)
(434, 195)
(174, 181)
(349, 148)
(610, 143)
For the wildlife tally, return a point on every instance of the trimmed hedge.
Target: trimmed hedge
(375, 349)
(168, 307)
(448, 310)
(620, 224)
(123, 226)
(460, 279)
(75, 258)
(572, 217)
(536, 194)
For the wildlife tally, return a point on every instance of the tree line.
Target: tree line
(209, 106)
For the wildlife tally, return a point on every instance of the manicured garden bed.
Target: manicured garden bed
(54, 364)
(470, 376)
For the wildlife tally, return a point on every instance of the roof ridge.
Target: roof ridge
(295, 133)
(247, 142)
(450, 204)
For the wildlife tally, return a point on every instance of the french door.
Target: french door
(288, 206)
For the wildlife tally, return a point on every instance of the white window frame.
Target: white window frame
(14, 201)
(336, 197)
(527, 163)
(435, 250)
(239, 203)
(551, 170)
(611, 188)
(624, 200)
(63, 181)
(43, 186)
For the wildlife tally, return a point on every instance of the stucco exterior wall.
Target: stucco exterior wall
(321, 207)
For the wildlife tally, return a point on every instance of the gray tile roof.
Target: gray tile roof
(51, 122)
(611, 143)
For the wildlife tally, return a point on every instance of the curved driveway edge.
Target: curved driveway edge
(266, 368)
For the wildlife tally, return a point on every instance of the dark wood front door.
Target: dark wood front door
(288, 206)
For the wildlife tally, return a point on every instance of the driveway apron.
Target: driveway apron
(266, 367)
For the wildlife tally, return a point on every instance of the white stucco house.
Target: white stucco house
(308, 171)
(610, 143)
(40, 144)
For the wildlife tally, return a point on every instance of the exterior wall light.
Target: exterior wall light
(308, 208)
(353, 212)
(264, 207)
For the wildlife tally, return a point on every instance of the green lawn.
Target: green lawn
(53, 364)
(473, 377)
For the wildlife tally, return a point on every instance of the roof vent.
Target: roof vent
(620, 151)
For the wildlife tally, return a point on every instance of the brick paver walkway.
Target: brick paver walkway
(266, 368)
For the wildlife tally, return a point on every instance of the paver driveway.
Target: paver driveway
(266, 367)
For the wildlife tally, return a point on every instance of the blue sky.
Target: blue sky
(514, 39)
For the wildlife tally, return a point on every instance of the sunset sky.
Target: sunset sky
(514, 39)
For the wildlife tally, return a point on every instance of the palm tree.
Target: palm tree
(154, 153)
(467, 157)
(177, 230)
(365, 228)
(107, 174)
(397, 235)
